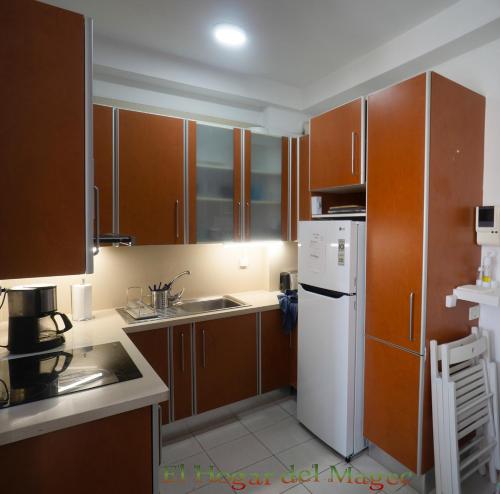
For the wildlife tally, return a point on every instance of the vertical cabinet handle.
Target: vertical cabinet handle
(177, 218)
(238, 205)
(97, 216)
(182, 352)
(412, 300)
(247, 223)
(353, 152)
(160, 420)
(204, 357)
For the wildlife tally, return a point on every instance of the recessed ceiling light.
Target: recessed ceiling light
(230, 35)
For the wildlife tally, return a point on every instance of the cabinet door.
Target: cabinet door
(151, 177)
(42, 141)
(103, 164)
(120, 443)
(275, 352)
(392, 400)
(266, 186)
(215, 197)
(293, 357)
(294, 205)
(304, 189)
(153, 344)
(181, 371)
(226, 361)
(336, 147)
(395, 204)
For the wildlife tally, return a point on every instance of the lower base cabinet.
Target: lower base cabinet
(153, 344)
(293, 357)
(181, 378)
(113, 454)
(275, 352)
(392, 400)
(226, 361)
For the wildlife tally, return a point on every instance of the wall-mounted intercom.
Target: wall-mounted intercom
(488, 225)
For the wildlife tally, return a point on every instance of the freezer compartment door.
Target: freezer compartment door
(328, 252)
(327, 368)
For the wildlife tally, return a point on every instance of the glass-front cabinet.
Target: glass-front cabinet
(214, 184)
(238, 184)
(266, 191)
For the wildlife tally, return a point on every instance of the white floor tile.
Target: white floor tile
(210, 419)
(478, 484)
(268, 473)
(290, 406)
(283, 435)
(298, 489)
(329, 482)
(174, 484)
(215, 488)
(222, 434)
(178, 450)
(261, 418)
(372, 469)
(238, 454)
(305, 455)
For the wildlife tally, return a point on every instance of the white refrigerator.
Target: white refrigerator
(331, 332)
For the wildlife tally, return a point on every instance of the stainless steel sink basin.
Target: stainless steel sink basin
(187, 308)
(197, 306)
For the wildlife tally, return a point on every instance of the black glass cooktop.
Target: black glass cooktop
(57, 373)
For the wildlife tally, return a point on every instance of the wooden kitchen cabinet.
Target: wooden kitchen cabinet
(43, 155)
(336, 147)
(226, 361)
(392, 400)
(151, 183)
(153, 344)
(293, 225)
(275, 352)
(425, 149)
(113, 454)
(103, 164)
(181, 372)
(304, 188)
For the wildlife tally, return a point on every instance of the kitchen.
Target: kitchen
(137, 147)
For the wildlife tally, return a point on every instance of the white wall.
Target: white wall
(480, 70)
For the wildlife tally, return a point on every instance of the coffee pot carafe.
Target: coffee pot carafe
(33, 319)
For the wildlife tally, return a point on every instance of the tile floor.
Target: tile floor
(265, 441)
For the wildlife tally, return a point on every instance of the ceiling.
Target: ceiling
(294, 42)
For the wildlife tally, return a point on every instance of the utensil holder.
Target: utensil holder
(159, 299)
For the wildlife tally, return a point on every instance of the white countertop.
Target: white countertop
(32, 419)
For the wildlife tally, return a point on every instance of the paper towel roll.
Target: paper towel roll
(81, 302)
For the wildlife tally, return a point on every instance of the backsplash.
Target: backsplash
(215, 270)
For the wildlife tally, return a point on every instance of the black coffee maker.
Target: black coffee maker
(32, 319)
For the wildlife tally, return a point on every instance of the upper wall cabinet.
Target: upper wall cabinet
(337, 147)
(151, 177)
(45, 158)
(214, 179)
(266, 187)
(103, 164)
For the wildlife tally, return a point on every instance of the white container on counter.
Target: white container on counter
(81, 301)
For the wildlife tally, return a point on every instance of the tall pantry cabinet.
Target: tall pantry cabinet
(425, 171)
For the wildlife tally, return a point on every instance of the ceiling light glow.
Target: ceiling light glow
(229, 35)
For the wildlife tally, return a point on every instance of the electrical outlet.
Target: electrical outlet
(474, 312)
(243, 262)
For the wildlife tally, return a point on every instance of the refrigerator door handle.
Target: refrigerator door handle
(323, 291)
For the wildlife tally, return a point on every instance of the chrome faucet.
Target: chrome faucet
(173, 299)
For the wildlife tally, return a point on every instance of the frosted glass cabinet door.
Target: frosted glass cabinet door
(265, 174)
(214, 184)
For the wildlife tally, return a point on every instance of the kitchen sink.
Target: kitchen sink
(186, 308)
(197, 306)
